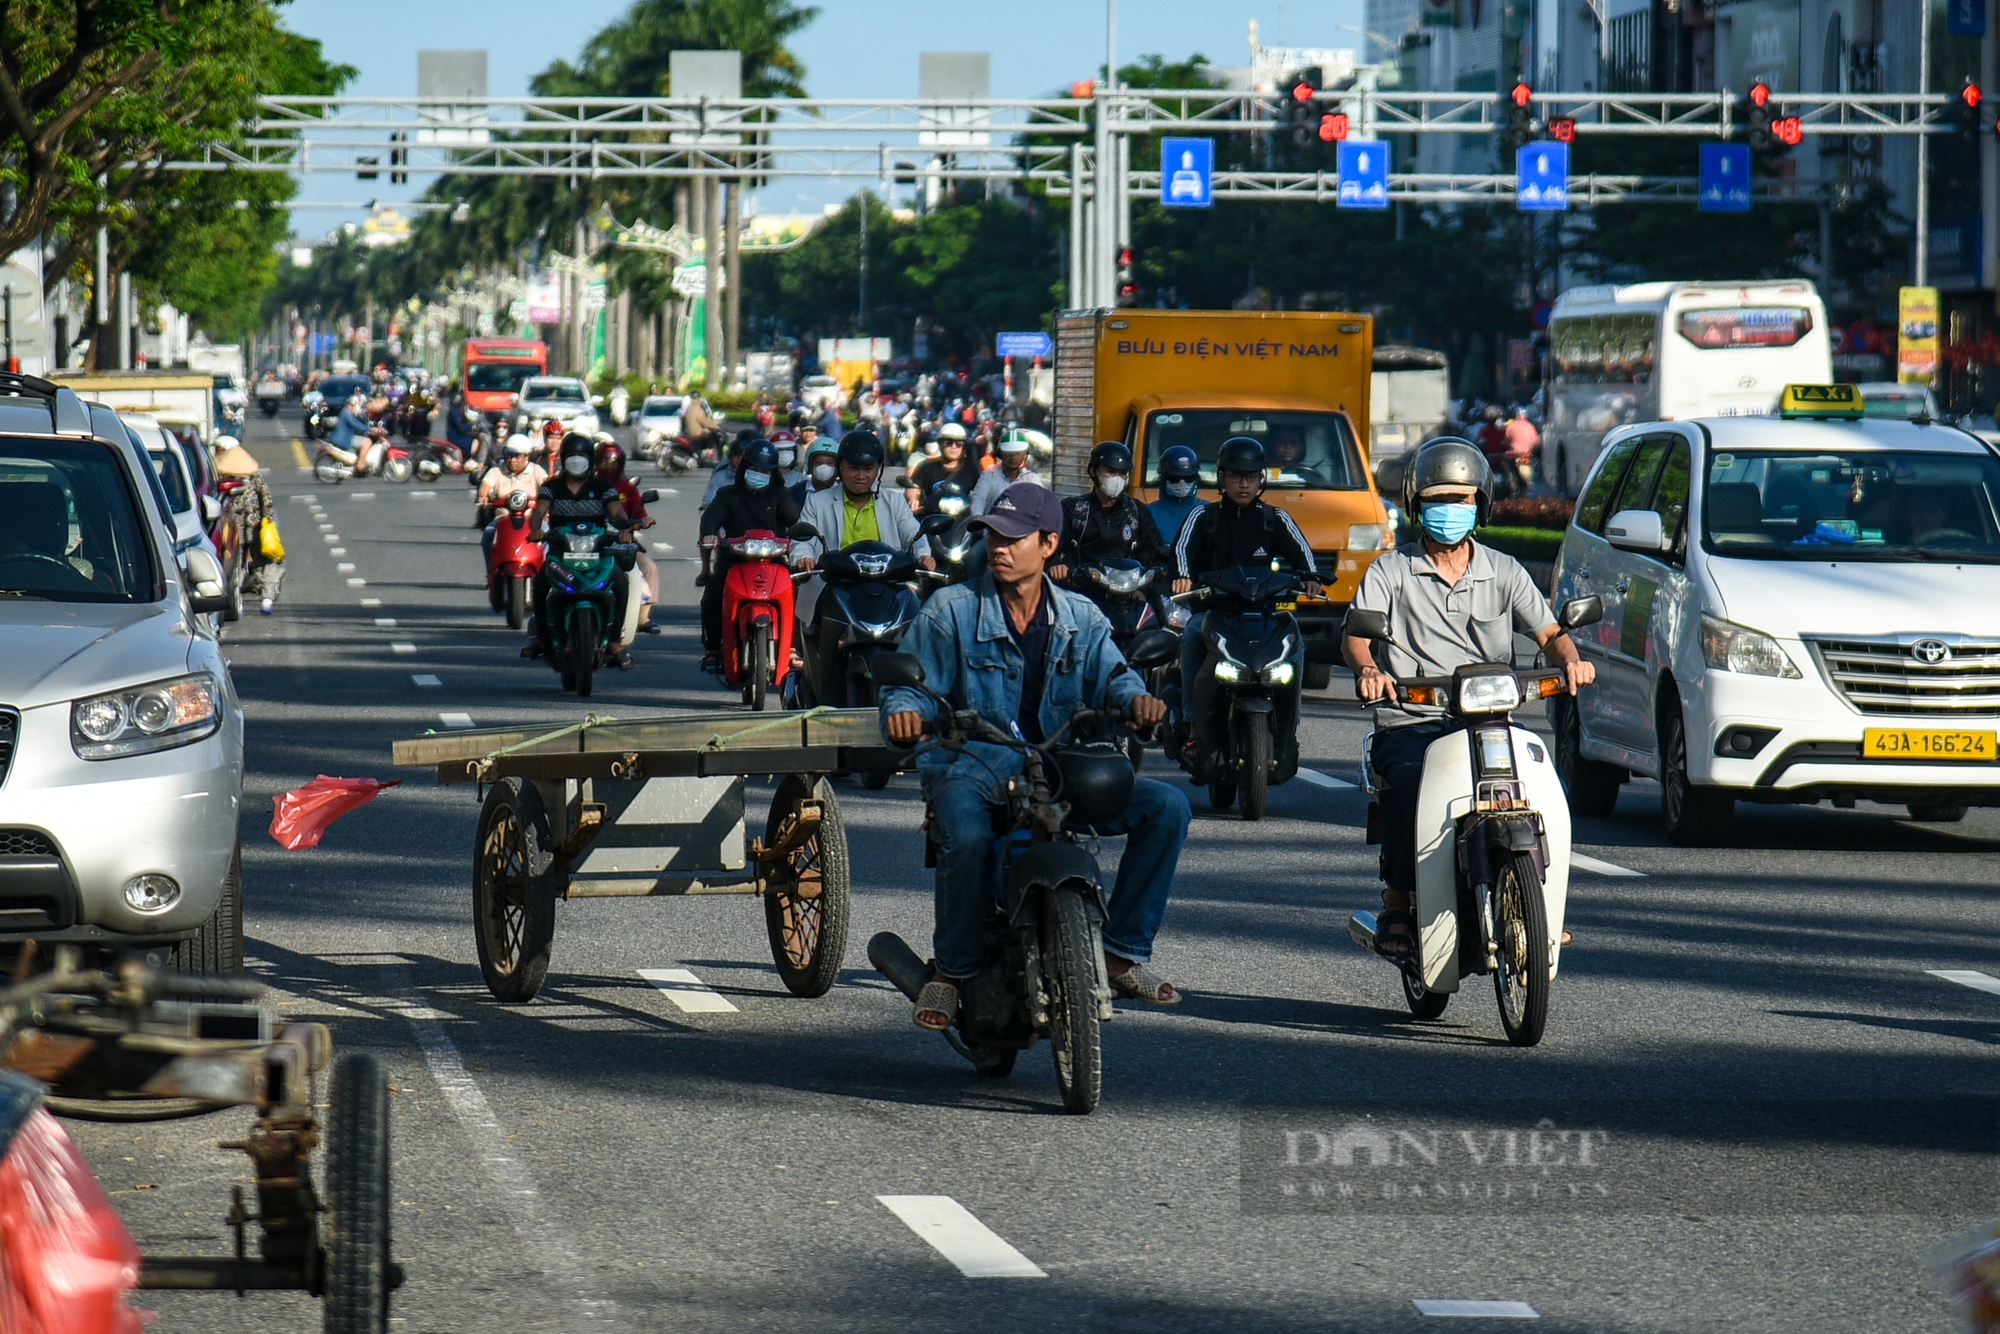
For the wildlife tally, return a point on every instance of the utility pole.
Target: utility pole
(1073, 290)
(711, 229)
(861, 315)
(101, 298)
(732, 254)
(1923, 264)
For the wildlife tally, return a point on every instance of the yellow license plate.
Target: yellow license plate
(1290, 604)
(1926, 743)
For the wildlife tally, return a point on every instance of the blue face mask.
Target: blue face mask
(1450, 524)
(755, 480)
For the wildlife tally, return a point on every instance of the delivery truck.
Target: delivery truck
(175, 397)
(1296, 380)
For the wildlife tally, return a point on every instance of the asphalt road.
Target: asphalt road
(1758, 1025)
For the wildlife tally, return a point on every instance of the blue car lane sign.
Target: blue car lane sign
(1187, 173)
(1725, 178)
(1364, 175)
(1541, 178)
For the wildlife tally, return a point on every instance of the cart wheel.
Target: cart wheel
(513, 891)
(359, 1274)
(808, 929)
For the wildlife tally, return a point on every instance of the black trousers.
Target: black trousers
(1397, 758)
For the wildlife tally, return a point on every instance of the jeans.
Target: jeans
(1156, 823)
(1397, 758)
(1194, 652)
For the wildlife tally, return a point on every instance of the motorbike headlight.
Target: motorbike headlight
(1125, 581)
(580, 541)
(1228, 671)
(953, 505)
(159, 716)
(1495, 693)
(1731, 648)
(1280, 675)
(759, 548)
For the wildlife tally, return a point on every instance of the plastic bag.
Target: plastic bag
(66, 1260)
(1968, 1267)
(303, 814)
(268, 540)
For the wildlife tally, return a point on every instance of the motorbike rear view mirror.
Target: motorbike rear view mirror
(896, 669)
(1579, 612)
(1367, 624)
(648, 497)
(802, 532)
(1154, 648)
(934, 525)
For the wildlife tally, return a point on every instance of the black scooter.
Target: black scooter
(1244, 703)
(868, 598)
(1043, 972)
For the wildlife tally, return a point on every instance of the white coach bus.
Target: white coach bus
(1668, 351)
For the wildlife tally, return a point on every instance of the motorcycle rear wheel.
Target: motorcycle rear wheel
(399, 469)
(1071, 972)
(1256, 780)
(328, 470)
(583, 648)
(517, 602)
(1424, 1003)
(757, 687)
(1521, 920)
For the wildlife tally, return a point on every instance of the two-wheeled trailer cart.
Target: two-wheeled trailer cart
(654, 807)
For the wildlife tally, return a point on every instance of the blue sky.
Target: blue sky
(855, 48)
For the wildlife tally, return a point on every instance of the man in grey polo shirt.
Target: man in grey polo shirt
(1450, 602)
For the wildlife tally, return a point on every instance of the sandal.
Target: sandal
(1141, 983)
(1400, 945)
(937, 1004)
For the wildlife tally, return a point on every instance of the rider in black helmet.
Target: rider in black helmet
(576, 494)
(1107, 522)
(757, 500)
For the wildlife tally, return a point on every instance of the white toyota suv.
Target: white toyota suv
(121, 738)
(1797, 609)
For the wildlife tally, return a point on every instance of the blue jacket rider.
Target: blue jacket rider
(1027, 655)
(353, 421)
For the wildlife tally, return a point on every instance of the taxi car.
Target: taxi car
(1797, 609)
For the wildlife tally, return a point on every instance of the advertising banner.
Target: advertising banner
(1917, 340)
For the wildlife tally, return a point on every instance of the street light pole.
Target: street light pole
(1923, 265)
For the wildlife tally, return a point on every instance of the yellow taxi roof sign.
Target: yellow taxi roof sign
(1820, 400)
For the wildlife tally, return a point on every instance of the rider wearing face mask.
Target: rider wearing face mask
(576, 494)
(1013, 467)
(757, 501)
(1108, 522)
(1180, 491)
(952, 464)
(860, 509)
(822, 471)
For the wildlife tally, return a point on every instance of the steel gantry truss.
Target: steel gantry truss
(1055, 142)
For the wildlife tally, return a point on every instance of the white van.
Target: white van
(1670, 351)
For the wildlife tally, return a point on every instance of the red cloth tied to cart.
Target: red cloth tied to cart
(66, 1261)
(303, 814)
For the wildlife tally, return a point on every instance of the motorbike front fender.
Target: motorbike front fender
(1251, 704)
(1044, 866)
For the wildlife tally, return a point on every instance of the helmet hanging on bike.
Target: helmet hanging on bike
(1448, 462)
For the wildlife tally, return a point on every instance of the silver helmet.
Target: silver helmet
(1448, 461)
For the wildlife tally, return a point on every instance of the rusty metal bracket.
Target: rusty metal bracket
(589, 824)
(628, 765)
(774, 870)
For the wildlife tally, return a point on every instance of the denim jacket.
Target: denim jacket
(971, 659)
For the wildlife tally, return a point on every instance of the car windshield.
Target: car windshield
(554, 392)
(497, 377)
(69, 528)
(661, 407)
(1865, 505)
(1304, 450)
(173, 479)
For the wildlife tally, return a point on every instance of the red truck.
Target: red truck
(495, 369)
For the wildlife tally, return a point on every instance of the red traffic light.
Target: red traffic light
(1304, 91)
(1563, 129)
(1789, 130)
(1125, 258)
(1522, 95)
(1333, 129)
(1760, 93)
(1970, 94)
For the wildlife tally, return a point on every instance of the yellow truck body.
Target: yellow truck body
(1297, 379)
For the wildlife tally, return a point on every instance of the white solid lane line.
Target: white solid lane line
(953, 1232)
(389, 621)
(1582, 863)
(396, 646)
(684, 989)
(1318, 779)
(1433, 1306)
(426, 681)
(1967, 977)
(455, 719)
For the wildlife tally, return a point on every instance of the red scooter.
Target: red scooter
(757, 617)
(516, 560)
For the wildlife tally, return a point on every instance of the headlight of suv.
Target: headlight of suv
(159, 716)
(1731, 648)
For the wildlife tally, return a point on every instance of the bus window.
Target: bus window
(1745, 326)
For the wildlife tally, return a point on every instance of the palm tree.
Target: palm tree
(630, 57)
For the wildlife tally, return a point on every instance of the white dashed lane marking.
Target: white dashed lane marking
(684, 989)
(371, 602)
(953, 1232)
(398, 646)
(385, 620)
(1967, 977)
(345, 567)
(426, 681)
(455, 719)
(1432, 1306)
(1582, 863)
(1318, 779)
(357, 583)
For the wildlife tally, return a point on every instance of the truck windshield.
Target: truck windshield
(1872, 506)
(1306, 450)
(69, 531)
(498, 377)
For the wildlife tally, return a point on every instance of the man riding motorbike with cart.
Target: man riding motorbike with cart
(1450, 601)
(1237, 529)
(1027, 655)
(1180, 491)
(575, 495)
(755, 501)
(518, 472)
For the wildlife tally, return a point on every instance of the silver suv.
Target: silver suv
(121, 738)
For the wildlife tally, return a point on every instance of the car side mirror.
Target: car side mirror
(211, 509)
(1579, 612)
(1367, 624)
(802, 532)
(1154, 648)
(204, 581)
(936, 525)
(896, 669)
(1635, 530)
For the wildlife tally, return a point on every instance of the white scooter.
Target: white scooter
(1493, 839)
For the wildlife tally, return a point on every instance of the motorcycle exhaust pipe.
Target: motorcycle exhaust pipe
(897, 962)
(1361, 926)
